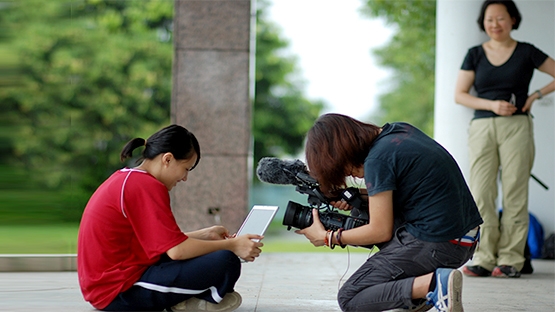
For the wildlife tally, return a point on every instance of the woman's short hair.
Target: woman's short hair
(334, 144)
(511, 8)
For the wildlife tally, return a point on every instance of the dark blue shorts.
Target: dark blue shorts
(169, 282)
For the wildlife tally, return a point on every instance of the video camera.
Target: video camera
(299, 216)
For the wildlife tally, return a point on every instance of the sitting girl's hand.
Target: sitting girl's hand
(247, 247)
(215, 232)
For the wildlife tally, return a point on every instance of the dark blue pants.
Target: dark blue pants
(384, 281)
(169, 282)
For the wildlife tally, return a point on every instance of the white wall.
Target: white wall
(456, 31)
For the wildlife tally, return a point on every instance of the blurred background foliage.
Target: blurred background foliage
(87, 76)
(80, 78)
(90, 75)
(282, 113)
(411, 57)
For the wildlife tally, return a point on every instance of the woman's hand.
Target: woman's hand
(316, 233)
(215, 232)
(247, 247)
(528, 105)
(502, 108)
(243, 246)
(341, 205)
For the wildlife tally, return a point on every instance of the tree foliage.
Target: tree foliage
(89, 75)
(282, 114)
(411, 55)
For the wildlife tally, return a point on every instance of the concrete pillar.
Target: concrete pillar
(456, 32)
(212, 92)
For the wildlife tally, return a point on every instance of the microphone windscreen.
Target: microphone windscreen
(277, 171)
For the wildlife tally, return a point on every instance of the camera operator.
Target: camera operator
(422, 215)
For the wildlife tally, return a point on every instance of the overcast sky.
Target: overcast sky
(333, 44)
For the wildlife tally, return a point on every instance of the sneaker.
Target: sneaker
(505, 271)
(475, 270)
(422, 307)
(230, 302)
(447, 297)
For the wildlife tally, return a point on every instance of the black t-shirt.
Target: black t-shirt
(430, 195)
(499, 82)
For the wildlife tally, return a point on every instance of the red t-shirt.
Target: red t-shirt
(127, 224)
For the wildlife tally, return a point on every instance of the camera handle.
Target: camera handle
(315, 198)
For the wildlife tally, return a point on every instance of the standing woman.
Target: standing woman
(501, 135)
(422, 215)
(132, 256)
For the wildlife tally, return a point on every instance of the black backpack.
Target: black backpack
(548, 249)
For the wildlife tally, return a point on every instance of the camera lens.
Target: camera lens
(297, 215)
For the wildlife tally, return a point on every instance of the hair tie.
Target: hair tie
(145, 142)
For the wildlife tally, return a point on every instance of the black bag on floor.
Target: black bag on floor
(548, 250)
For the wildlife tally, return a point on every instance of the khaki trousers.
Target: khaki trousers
(505, 145)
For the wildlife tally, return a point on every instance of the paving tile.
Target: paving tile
(278, 282)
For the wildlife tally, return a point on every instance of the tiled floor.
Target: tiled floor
(278, 282)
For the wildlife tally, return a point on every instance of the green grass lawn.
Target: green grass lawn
(62, 238)
(41, 239)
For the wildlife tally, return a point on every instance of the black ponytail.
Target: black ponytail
(173, 139)
(128, 149)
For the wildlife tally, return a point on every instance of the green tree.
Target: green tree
(411, 55)
(282, 114)
(92, 74)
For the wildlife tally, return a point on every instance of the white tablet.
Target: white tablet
(258, 220)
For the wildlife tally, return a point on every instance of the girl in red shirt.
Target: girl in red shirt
(132, 255)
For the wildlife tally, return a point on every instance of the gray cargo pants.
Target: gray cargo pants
(385, 280)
